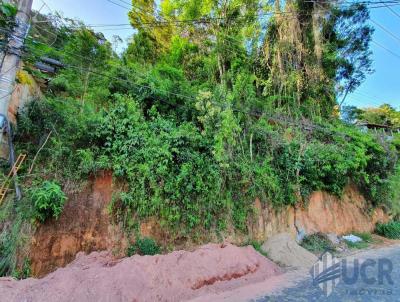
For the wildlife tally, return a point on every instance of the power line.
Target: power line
(208, 19)
(231, 50)
(257, 114)
(8, 94)
(152, 87)
(392, 10)
(120, 5)
(229, 42)
(386, 30)
(387, 49)
(370, 99)
(199, 20)
(126, 2)
(356, 2)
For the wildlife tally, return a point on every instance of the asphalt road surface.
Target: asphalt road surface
(365, 288)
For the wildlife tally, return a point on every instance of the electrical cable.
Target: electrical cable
(387, 49)
(393, 11)
(386, 30)
(117, 4)
(257, 114)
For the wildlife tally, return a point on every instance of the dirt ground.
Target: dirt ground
(178, 276)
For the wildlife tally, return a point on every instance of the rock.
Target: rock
(283, 249)
(333, 238)
(352, 238)
(340, 249)
(300, 235)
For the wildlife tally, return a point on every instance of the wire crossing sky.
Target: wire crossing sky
(381, 87)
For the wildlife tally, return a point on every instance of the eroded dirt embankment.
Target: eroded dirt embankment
(177, 276)
(86, 226)
(83, 226)
(324, 213)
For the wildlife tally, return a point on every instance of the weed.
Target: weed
(144, 246)
(317, 243)
(357, 245)
(48, 200)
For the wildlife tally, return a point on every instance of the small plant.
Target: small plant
(317, 243)
(144, 246)
(389, 230)
(48, 200)
(366, 237)
(257, 246)
(357, 245)
(25, 271)
(366, 240)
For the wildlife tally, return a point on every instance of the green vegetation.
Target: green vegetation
(15, 236)
(317, 243)
(393, 201)
(25, 271)
(197, 119)
(366, 237)
(366, 241)
(7, 15)
(390, 230)
(198, 125)
(384, 115)
(144, 246)
(257, 246)
(357, 245)
(48, 200)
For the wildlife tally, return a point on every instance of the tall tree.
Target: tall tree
(314, 51)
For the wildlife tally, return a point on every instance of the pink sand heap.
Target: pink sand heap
(177, 276)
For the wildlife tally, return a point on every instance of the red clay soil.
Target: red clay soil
(178, 276)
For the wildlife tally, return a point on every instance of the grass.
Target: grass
(365, 243)
(367, 237)
(357, 245)
(317, 243)
(389, 230)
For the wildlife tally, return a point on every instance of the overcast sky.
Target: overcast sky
(381, 87)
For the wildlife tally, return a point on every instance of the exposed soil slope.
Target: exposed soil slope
(85, 224)
(177, 276)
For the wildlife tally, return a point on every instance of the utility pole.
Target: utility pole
(11, 59)
(12, 55)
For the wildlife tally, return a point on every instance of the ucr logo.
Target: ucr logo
(329, 271)
(326, 273)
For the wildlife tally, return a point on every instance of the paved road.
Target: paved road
(304, 290)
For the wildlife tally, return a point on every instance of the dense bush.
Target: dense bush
(144, 246)
(69, 151)
(48, 200)
(168, 167)
(390, 230)
(193, 175)
(195, 124)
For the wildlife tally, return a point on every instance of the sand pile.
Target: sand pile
(177, 276)
(283, 249)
